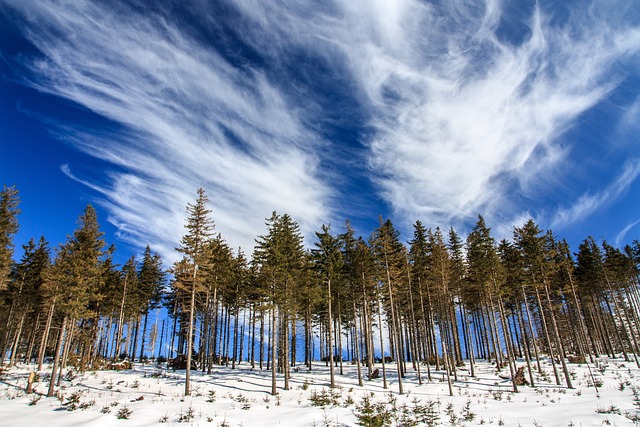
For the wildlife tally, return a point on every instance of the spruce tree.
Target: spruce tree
(537, 256)
(390, 255)
(151, 281)
(329, 264)
(193, 245)
(485, 272)
(281, 261)
(24, 291)
(78, 271)
(9, 212)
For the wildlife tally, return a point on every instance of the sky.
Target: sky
(437, 111)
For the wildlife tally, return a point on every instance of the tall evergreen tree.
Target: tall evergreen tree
(537, 256)
(78, 270)
(193, 245)
(281, 260)
(25, 294)
(390, 255)
(329, 264)
(9, 212)
(485, 272)
(151, 281)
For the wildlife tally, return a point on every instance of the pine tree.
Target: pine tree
(127, 305)
(458, 273)
(390, 255)
(359, 270)
(537, 256)
(485, 272)
(193, 245)
(218, 273)
(25, 294)
(279, 255)
(329, 264)
(419, 256)
(439, 281)
(78, 271)
(151, 281)
(9, 212)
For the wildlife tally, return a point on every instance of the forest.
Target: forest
(436, 302)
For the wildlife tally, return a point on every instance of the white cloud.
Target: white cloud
(474, 120)
(180, 103)
(619, 240)
(464, 121)
(589, 203)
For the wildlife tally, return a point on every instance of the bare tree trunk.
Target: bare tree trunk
(192, 309)
(262, 314)
(384, 369)
(56, 357)
(427, 323)
(45, 335)
(16, 340)
(235, 338)
(120, 321)
(332, 383)
(274, 391)
(144, 334)
(356, 343)
(579, 314)
(527, 351)
(548, 339)
(533, 335)
(556, 332)
(414, 327)
(446, 359)
(394, 332)
(285, 350)
(32, 339)
(339, 338)
(66, 348)
(511, 358)
(621, 318)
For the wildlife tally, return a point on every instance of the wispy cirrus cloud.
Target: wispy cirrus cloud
(619, 239)
(451, 113)
(468, 118)
(588, 203)
(190, 119)
(469, 122)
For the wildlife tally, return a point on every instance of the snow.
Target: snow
(240, 397)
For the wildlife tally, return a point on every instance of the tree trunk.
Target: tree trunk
(556, 332)
(547, 337)
(45, 335)
(356, 345)
(384, 369)
(332, 382)
(274, 391)
(16, 340)
(144, 334)
(56, 357)
(192, 309)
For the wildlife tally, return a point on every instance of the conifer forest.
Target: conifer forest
(433, 303)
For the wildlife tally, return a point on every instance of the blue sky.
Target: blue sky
(343, 109)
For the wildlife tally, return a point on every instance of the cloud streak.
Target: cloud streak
(451, 113)
(467, 118)
(470, 123)
(619, 240)
(589, 203)
(183, 108)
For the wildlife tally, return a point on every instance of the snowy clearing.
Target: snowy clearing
(151, 395)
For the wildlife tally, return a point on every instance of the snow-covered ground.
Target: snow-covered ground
(151, 396)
